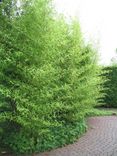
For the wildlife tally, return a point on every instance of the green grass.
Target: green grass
(101, 112)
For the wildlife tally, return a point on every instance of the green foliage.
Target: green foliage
(110, 86)
(57, 137)
(48, 78)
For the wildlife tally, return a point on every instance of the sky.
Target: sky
(98, 20)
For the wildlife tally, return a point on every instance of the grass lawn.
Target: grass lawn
(101, 112)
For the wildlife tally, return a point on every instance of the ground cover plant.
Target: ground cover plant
(49, 77)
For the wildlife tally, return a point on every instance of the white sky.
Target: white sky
(98, 19)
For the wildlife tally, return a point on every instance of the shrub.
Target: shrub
(57, 137)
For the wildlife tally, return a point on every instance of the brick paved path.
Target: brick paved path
(100, 140)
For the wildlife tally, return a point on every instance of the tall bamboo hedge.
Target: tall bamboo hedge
(48, 77)
(110, 86)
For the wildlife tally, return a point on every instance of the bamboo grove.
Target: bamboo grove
(49, 76)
